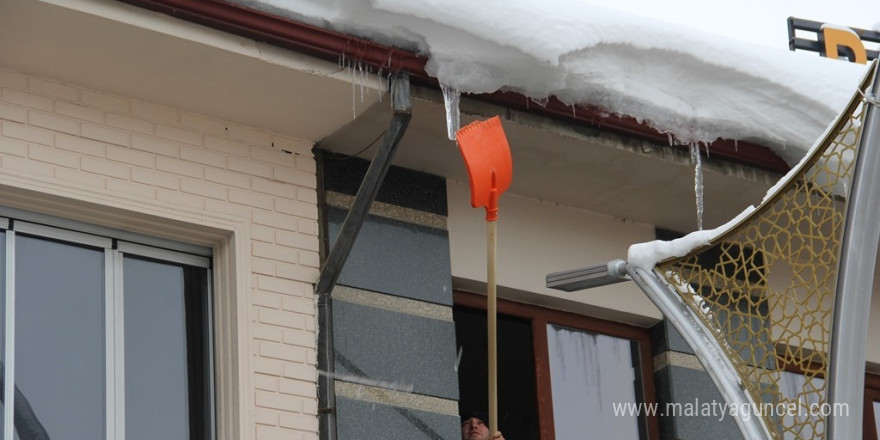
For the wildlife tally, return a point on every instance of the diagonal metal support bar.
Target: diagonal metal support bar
(401, 103)
(849, 337)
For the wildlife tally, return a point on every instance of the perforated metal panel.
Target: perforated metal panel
(766, 288)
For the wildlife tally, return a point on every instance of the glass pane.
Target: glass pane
(803, 393)
(517, 395)
(590, 373)
(59, 339)
(156, 390)
(877, 417)
(2, 326)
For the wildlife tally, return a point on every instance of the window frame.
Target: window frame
(115, 247)
(539, 318)
(872, 394)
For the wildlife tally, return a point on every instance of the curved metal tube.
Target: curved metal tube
(707, 349)
(852, 305)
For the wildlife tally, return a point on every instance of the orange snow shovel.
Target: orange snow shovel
(490, 170)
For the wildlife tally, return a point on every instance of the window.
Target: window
(559, 374)
(792, 385)
(103, 338)
(807, 393)
(517, 393)
(589, 371)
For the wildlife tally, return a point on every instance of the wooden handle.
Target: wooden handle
(491, 310)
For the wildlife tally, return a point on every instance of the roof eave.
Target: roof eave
(331, 45)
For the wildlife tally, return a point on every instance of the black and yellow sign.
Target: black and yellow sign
(833, 41)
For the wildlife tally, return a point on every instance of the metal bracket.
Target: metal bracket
(401, 103)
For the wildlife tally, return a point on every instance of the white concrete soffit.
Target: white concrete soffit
(122, 49)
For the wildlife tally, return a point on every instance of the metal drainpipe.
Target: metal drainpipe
(326, 391)
(338, 254)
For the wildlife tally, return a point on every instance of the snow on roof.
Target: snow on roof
(647, 255)
(694, 85)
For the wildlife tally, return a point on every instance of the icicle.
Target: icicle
(361, 79)
(574, 112)
(379, 84)
(698, 183)
(451, 98)
(669, 136)
(353, 93)
(736, 145)
(364, 82)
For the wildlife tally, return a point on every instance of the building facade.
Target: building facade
(179, 184)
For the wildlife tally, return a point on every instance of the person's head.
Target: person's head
(474, 426)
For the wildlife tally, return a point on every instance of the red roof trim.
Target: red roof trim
(283, 32)
(330, 45)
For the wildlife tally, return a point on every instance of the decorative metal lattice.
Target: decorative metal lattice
(766, 287)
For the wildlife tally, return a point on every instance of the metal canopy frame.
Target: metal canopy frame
(849, 335)
(854, 286)
(705, 346)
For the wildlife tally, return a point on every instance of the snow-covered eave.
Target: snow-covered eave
(331, 45)
(647, 255)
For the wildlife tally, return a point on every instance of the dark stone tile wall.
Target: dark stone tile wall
(682, 388)
(396, 347)
(393, 331)
(401, 187)
(397, 258)
(664, 337)
(380, 421)
(694, 389)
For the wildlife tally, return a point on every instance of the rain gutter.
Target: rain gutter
(330, 45)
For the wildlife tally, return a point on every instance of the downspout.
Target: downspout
(335, 260)
(326, 390)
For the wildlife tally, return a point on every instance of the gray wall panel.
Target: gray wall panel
(694, 389)
(368, 420)
(397, 258)
(397, 348)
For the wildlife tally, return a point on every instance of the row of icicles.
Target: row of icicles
(359, 74)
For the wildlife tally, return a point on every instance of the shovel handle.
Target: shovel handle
(492, 312)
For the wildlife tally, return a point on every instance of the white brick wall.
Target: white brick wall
(145, 153)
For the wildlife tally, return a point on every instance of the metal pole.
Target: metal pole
(706, 348)
(849, 334)
(9, 333)
(326, 360)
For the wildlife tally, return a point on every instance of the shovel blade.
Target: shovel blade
(486, 155)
